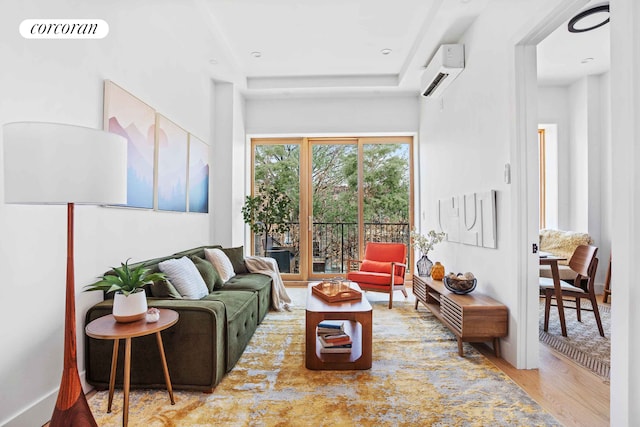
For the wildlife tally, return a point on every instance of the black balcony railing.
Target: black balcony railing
(334, 243)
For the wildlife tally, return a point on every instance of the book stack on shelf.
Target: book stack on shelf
(333, 338)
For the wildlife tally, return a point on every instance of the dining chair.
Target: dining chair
(585, 264)
(382, 269)
(607, 284)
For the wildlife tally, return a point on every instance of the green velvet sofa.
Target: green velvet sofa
(202, 347)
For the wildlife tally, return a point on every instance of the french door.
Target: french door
(344, 193)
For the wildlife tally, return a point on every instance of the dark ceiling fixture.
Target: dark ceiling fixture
(586, 13)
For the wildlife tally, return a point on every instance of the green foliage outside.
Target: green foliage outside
(335, 183)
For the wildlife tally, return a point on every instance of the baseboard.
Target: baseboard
(37, 414)
(599, 288)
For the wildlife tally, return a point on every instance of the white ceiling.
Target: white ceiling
(563, 57)
(335, 46)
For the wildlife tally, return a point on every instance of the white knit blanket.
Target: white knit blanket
(269, 267)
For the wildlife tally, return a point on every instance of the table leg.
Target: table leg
(112, 376)
(366, 323)
(127, 373)
(460, 348)
(167, 379)
(311, 359)
(559, 303)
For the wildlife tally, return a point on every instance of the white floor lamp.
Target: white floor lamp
(50, 163)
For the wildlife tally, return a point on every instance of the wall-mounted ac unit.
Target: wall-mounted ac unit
(445, 66)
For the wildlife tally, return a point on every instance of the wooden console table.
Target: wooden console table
(471, 317)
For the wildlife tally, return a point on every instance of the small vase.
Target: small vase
(424, 265)
(437, 272)
(130, 308)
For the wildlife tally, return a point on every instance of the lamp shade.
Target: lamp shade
(51, 163)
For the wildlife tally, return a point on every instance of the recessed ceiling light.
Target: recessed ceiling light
(586, 60)
(213, 61)
(256, 54)
(386, 51)
(589, 19)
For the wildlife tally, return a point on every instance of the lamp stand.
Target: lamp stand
(71, 408)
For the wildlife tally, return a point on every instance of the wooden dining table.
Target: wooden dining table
(552, 261)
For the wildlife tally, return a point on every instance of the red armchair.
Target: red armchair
(382, 269)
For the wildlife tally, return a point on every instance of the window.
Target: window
(345, 193)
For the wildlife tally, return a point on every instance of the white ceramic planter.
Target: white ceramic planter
(130, 308)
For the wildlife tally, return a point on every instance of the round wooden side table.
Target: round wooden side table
(106, 328)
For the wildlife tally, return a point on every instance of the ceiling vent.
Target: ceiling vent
(444, 67)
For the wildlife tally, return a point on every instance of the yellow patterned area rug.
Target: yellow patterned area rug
(417, 379)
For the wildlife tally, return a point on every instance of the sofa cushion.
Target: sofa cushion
(221, 262)
(376, 266)
(254, 282)
(208, 272)
(185, 277)
(236, 256)
(164, 289)
(374, 278)
(241, 310)
(199, 251)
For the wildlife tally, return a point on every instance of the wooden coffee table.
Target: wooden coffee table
(358, 324)
(107, 328)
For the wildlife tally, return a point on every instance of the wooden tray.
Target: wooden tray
(343, 293)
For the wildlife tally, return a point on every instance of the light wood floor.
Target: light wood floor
(571, 393)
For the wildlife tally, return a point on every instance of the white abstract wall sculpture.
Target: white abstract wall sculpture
(469, 219)
(449, 218)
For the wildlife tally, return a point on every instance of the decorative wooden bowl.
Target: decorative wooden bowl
(459, 286)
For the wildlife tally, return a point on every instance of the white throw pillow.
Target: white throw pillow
(185, 277)
(221, 262)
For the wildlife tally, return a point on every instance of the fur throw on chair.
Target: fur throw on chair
(562, 243)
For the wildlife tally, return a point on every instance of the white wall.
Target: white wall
(604, 156)
(157, 51)
(335, 115)
(465, 143)
(579, 156)
(625, 155)
(553, 107)
(228, 174)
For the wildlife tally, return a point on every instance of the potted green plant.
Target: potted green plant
(269, 211)
(130, 300)
(424, 245)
